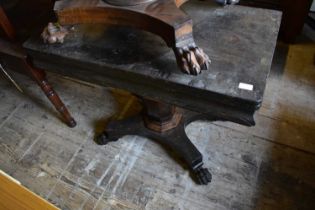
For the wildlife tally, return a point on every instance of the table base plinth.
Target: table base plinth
(174, 138)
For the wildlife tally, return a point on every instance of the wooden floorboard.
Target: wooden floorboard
(287, 114)
(270, 166)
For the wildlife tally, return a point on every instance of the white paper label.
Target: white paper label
(245, 86)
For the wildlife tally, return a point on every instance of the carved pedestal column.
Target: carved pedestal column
(164, 124)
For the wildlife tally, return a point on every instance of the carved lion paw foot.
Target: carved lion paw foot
(225, 2)
(203, 176)
(54, 33)
(192, 60)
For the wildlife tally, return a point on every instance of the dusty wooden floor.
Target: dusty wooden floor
(270, 166)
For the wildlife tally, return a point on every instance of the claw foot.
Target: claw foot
(203, 176)
(102, 139)
(54, 33)
(192, 59)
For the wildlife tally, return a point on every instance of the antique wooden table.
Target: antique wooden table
(239, 40)
(161, 17)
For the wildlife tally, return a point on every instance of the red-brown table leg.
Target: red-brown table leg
(38, 75)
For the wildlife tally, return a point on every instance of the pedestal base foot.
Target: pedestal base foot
(203, 176)
(175, 139)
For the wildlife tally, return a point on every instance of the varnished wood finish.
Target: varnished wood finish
(6, 26)
(40, 77)
(269, 166)
(160, 117)
(161, 17)
(169, 26)
(145, 67)
(12, 50)
(276, 158)
(215, 95)
(14, 196)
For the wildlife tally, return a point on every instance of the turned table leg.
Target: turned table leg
(6, 25)
(39, 77)
(165, 124)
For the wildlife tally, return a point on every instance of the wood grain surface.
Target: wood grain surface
(14, 196)
(239, 40)
(270, 166)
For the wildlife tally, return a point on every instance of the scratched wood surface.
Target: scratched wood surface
(270, 166)
(239, 40)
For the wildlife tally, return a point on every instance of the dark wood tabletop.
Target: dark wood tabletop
(239, 40)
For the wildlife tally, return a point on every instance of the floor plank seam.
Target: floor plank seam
(268, 140)
(11, 115)
(118, 168)
(31, 146)
(67, 166)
